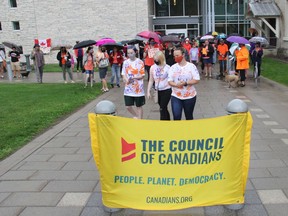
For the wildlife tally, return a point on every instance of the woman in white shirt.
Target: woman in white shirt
(133, 75)
(159, 75)
(182, 77)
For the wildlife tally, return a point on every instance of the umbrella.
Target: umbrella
(209, 33)
(170, 38)
(10, 45)
(206, 37)
(238, 39)
(150, 34)
(131, 42)
(110, 46)
(261, 40)
(221, 36)
(85, 43)
(214, 33)
(57, 45)
(234, 46)
(103, 41)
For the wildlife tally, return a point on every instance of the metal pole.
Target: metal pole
(28, 65)
(106, 107)
(9, 71)
(233, 107)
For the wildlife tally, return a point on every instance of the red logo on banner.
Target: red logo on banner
(128, 150)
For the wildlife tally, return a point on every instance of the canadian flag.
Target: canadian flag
(45, 44)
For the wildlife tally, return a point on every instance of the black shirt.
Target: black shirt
(14, 56)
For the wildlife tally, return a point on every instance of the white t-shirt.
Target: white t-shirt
(160, 76)
(183, 74)
(131, 69)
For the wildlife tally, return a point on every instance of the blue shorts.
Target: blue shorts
(89, 71)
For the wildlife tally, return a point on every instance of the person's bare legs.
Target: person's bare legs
(132, 111)
(139, 111)
(210, 70)
(104, 85)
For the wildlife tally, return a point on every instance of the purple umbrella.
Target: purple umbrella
(238, 39)
(104, 41)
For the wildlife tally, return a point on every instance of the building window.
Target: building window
(16, 25)
(13, 3)
(0, 26)
(176, 8)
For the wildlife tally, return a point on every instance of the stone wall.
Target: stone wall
(72, 20)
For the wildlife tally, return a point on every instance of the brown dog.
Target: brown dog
(232, 78)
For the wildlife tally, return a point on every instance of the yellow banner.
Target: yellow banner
(166, 165)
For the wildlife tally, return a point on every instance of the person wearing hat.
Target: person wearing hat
(15, 63)
(38, 57)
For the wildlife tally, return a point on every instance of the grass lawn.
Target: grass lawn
(29, 109)
(57, 68)
(275, 70)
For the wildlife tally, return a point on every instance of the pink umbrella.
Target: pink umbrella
(150, 34)
(103, 41)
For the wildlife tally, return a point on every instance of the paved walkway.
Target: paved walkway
(55, 174)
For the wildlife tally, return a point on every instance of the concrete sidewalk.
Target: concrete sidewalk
(55, 174)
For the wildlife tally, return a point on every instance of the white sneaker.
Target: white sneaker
(72, 81)
(65, 82)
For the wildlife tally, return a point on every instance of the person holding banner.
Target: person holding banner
(159, 75)
(133, 74)
(182, 77)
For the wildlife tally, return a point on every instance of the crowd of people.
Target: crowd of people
(171, 69)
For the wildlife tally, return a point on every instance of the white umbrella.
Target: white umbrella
(207, 37)
(234, 46)
(261, 40)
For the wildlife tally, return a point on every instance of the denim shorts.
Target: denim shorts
(103, 72)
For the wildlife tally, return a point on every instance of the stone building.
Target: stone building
(21, 21)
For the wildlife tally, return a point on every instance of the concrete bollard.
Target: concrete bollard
(28, 65)
(233, 107)
(9, 71)
(106, 107)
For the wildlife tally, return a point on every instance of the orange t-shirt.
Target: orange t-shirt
(63, 60)
(222, 49)
(149, 60)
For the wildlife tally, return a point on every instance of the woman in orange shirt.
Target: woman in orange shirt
(88, 61)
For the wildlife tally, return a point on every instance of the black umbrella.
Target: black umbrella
(10, 45)
(170, 38)
(132, 42)
(84, 44)
(110, 46)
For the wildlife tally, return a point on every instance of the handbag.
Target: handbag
(68, 64)
(103, 63)
(155, 96)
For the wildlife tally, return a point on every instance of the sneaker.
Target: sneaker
(118, 85)
(106, 90)
(72, 81)
(14, 76)
(65, 82)
(112, 85)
